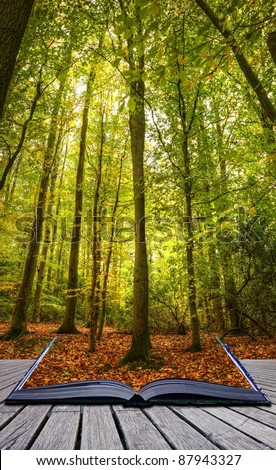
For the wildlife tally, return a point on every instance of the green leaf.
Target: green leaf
(131, 105)
(153, 51)
(161, 70)
(142, 3)
(116, 62)
(154, 8)
(144, 13)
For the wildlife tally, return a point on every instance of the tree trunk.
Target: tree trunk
(48, 220)
(271, 42)
(19, 318)
(217, 300)
(19, 147)
(89, 232)
(109, 254)
(46, 244)
(68, 324)
(196, 346)
(54, 245)
(140, 346)
(11, 185)
(192, 295)
(230, 290)
(14, 15)
(96, 248)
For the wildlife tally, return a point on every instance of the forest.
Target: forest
(137, 173)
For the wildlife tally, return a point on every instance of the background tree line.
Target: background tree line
(138, 167)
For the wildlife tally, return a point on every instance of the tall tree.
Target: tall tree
(14, 17)
(46, 242)
(68, 324)
(140, 346)
(96, 238)
(109, 253)
(187, 126)
(19, 318)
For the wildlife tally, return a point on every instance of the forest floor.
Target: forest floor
(69, 359)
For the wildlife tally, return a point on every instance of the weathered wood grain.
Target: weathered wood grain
(7, 413)
(177, 432)
(139, 433)
(11, 376)
(8, 369)
(99, 429)
(268, 409)
(15, 364)
(249, 426)
(11, 379)
(266, 380)
(18, 367)
(20, 432)
(220, 433)
(61, 430)
(4, 392)
(261, 415)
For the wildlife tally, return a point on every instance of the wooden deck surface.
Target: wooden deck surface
(101, 427)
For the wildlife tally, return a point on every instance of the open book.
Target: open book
(165, 391)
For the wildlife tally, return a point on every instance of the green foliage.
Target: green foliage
(231, 158)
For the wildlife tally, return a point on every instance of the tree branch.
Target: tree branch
(253, 80)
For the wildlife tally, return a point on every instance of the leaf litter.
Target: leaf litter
(69, 359)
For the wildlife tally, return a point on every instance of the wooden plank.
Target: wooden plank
(271, 395)
(99, 429)
(269, 385)
(262, 371)
(61, 430)
(266, 383)
(67, 408)
(18, 370)
(264, 377)
(9, 408)
(14, 362)
(268, 409)
(261, 368)
(16, 367)
(7, 413)
(11, 379)
(6, 391)
(177, 432)
(139, 433)
(269, 419)
(256, 362)
(249, 426)
(264, 374)
(12, 375)
(21, 431)
(221, 434)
